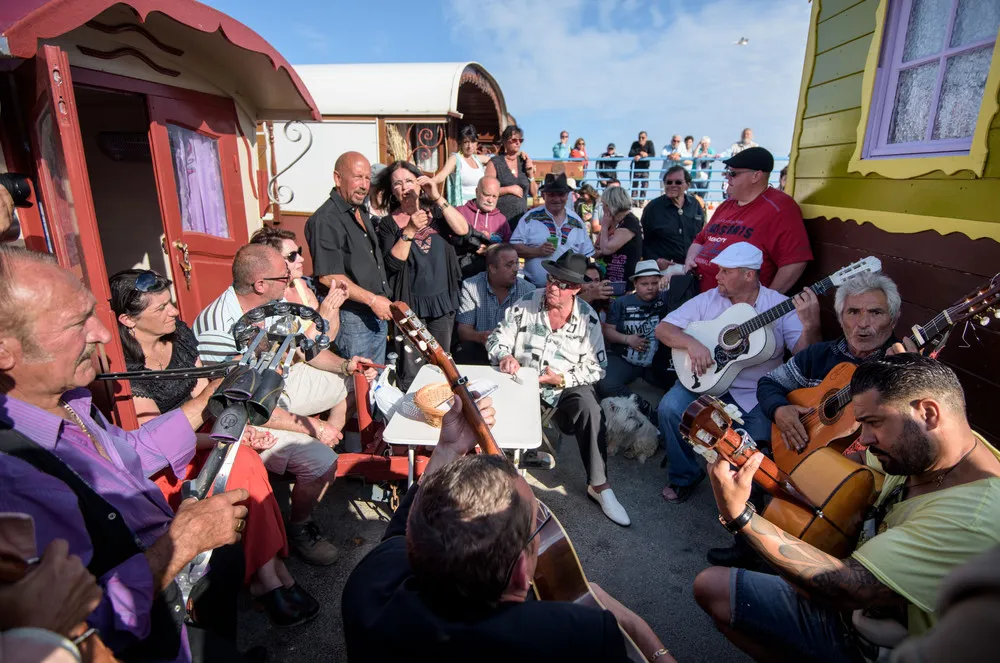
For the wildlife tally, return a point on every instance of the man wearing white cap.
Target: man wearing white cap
(629, 333)
(738, 282)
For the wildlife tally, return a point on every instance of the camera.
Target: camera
(18, 187)
(478, 238)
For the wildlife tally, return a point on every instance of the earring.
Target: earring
(131, 331)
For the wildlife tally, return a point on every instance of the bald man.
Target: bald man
(488, 224)
(344, 247)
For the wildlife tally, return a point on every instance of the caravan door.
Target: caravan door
(193, 141)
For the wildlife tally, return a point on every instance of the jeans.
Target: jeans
(683, 468)
(361, 334)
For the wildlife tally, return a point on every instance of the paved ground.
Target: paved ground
(649, 566)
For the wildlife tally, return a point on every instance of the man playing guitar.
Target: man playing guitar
(938, 508)
(451, 579)
(738, 281)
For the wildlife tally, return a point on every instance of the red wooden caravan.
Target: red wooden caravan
(136, 122)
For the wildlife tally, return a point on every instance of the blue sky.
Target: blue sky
(601, 69)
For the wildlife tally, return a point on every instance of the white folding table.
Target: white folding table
(518, 414)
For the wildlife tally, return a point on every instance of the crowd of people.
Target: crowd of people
(496, 283)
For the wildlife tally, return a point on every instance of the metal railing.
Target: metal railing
(708, 183)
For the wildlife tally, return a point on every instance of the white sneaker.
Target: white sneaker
(610, 505)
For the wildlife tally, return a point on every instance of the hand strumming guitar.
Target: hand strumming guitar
(787, 419)
(700, 357)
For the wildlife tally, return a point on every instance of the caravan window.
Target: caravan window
(932, 72)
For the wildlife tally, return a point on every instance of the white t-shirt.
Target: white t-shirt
(787, 330)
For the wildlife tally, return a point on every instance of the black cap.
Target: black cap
(752, 158)
(555, 184)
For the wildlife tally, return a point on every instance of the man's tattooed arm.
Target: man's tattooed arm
(844, 584)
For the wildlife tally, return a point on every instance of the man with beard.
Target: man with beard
(487, 224)
(345, 248)
(938, 508)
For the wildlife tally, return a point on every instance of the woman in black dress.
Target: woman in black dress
(417, 239)
(516, 173)
(620, 240)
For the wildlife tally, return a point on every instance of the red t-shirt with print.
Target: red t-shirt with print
(772, 222)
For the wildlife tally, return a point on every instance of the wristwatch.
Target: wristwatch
(405, 238)
(739, 522)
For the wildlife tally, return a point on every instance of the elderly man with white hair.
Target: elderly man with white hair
(738, 282)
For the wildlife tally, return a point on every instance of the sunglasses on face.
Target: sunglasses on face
(283, 279)
(515, 139)
(297, 253)
(674, 182)
(729, 173)
(562, 285)
(542, 518)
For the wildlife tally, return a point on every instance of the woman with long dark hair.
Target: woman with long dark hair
(516, 171)
(154, 338)
(417, 237)
(463, 169)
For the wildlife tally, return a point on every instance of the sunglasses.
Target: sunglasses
(515, 139)
(562, 285)
(542, 518)
(148, 281)
(730, 173)
(283, 279)
(674, 182)
(297, 253)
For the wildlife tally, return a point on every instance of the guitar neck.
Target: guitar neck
(770, 315)
(922, 334)
(470, 410)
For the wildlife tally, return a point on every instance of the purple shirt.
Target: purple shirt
(123, 615)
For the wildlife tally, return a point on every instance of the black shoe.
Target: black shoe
(738, 556)
(532, 459)
(282, 608)
(303, 599)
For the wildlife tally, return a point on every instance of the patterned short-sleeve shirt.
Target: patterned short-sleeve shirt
(575, 350)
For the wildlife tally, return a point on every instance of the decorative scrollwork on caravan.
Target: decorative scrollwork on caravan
(294, 131)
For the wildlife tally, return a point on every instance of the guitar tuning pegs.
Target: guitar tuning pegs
(422, 345)
(983, 320)
(407, 349)
(398, 339)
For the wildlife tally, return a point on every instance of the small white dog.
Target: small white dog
(628, 428)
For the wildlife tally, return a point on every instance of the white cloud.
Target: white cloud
(666, 67)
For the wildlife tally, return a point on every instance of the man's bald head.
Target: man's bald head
(18, 269)
(487, 193)
(254, 262)
(353, 176)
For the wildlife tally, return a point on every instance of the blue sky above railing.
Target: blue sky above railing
(601, 69)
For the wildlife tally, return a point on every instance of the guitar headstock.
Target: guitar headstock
(980, 305)
(869, 265)
(706, 422)
(416, 333)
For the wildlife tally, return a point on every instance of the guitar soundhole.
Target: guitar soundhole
(829, 413)
(731, 338)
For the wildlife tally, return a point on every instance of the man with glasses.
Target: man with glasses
(559, 335)
(549, 231)
(451, 578)
(755, 213)
(561, 149)
(671, 221)
(676, 154)
(305, 442)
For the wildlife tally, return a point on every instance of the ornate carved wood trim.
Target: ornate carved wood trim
(128, 50)
(132, 27)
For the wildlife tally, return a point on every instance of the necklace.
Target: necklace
(939, 479)
(86, 431)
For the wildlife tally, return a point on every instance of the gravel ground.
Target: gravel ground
(649, 566)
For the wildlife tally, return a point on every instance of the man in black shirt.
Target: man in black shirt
(671, 221)
(607, 167)
(639, 152)
(345, 247)
(451, 578)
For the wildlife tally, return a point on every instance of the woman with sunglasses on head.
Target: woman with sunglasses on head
(620, 240)
(516, 172)
(418, 239)
(154, 338)
(297, 290)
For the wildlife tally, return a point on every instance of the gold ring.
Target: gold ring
(240, 525)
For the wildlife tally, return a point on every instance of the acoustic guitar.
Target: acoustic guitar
(558, 575)
(741, 337)
(823, 502)
(830, 419)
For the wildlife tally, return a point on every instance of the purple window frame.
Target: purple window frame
(887, 80)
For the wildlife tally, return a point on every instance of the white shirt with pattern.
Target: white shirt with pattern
(575, 350)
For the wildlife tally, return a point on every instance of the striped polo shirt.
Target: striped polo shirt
(214, 328)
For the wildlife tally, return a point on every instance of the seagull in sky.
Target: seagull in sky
(743, 41)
